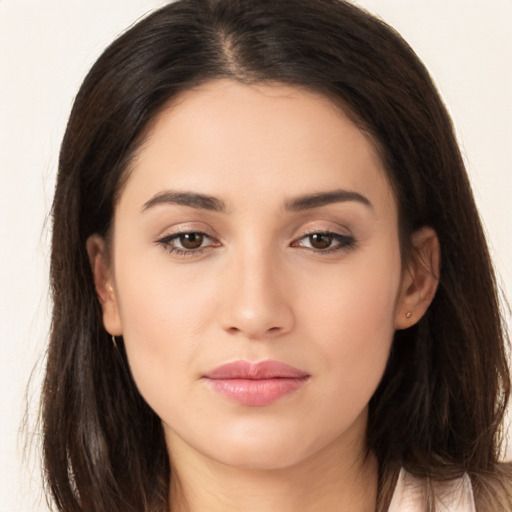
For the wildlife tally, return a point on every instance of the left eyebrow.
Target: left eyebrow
(309, 201)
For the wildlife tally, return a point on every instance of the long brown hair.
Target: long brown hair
(438, 409)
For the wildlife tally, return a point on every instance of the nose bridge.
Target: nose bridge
(256, 304)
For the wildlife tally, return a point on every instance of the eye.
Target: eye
(190, 241)
(187, 243)
(325, 242)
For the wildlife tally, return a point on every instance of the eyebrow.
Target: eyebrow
(191, 199)
(316, 200)
(206, 202)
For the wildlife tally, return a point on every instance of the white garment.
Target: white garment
(451, 496)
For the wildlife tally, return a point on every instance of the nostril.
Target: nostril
(254, 332)
(256, 313)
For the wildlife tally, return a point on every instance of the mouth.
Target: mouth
(256, 384)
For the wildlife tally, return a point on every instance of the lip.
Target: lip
(256, 384)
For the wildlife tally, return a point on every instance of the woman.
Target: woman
(271, 286)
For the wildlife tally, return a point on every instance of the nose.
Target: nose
(256, 302)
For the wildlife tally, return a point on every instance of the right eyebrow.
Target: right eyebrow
(191, 199)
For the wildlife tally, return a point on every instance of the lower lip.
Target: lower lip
(256, 392)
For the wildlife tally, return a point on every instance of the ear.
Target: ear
(420, 278)
(104, 283)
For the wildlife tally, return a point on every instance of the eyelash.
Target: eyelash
(167, 242)
(344, 243)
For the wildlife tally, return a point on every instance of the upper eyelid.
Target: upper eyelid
(173, 236)
(334, 234)
(343, 243)
(341, 231)
(176, 234)
(300, 234)
(168, 243)
(347, 243)
(306, 228)
(173, 231)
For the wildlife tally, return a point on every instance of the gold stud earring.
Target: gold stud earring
(408, 314)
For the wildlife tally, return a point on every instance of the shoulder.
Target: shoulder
(412, 494)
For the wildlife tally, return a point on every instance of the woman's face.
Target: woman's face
(257, 225)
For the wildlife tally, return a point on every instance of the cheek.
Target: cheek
(352, 317)
(164, 315)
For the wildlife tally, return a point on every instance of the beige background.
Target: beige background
(46, 47)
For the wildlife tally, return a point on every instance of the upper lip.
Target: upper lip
(256, 371)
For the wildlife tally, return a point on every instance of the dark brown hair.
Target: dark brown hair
(438, 409)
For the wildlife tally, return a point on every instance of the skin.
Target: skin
(258, 287)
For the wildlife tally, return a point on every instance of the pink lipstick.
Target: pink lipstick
(256, 384)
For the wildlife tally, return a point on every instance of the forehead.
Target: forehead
(229, 139)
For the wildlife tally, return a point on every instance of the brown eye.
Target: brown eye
(191, 241)
(325, 242)
(320, 240)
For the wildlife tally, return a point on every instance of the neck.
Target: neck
(339, 478)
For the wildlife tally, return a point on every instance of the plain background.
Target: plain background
(47, 46)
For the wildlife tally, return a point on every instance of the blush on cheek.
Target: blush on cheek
(357, 333)
(156, 373)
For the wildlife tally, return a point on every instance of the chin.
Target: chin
(265, 450)
(260, 459)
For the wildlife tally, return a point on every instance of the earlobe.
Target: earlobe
(104, 284)
(420, 279)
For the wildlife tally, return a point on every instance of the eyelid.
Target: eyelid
(178, 234)
(341, 241)
(345, 241)
(166, 240)
(313, 228)
(333, 234)
(183, 228)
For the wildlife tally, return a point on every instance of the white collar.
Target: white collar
(452, 496)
